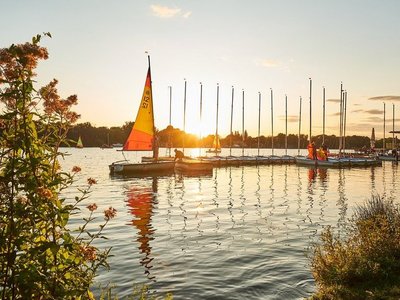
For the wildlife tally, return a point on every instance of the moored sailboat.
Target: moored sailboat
(142, 138)
(216, 146)
(313, 159)
(79, 143)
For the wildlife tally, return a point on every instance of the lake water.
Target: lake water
(242, 233)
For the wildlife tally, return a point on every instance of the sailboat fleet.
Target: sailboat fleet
(143, 138)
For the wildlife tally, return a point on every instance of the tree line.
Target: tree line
(174, 137)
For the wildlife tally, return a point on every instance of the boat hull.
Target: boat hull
(161, 158)
(213, 151)
(338, 162)
(150, 168)
(221, 161)
(193, 166)
(387, 158)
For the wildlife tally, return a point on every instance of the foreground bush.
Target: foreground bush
(39, 256)
(366, 263)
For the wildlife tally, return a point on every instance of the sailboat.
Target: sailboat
(79, 143)
(189, 165)
(107, 146)
(142, 138)
(372, 141)
(340, 161)
(216, 146)
(385, 155)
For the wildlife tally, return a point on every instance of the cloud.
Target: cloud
(168, 12)
(374, 111)
(385, 98)
(187, 14)
(269, 63)
(333, 100)
(290, 119)
(369, 111)
(374, 119)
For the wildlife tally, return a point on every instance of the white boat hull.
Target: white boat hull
(338, 162)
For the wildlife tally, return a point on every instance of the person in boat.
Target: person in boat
(178, 155)
(395, 154)
(321, 154)
(314, 151)
(310, 151)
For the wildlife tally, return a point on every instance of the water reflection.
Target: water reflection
(342, 201)
(230, 196)
(240, 212)
(141, 201)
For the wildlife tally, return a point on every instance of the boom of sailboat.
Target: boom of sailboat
(143, 138)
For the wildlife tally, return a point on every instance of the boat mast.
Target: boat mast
(341, 120)
(230, 149)
(344, 120)
(298, 140)
(272, 121)
(384, 126)
(310, 108)
(184, 120)
(285, 124)
(201, 115)
(152, 110)
(170, 114)
(216, 125)
(323, 115)
(393, 144)
(259, 118)
(242, 122)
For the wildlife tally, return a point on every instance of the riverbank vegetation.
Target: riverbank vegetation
(41, 256)
(365, 264)
(99, 136)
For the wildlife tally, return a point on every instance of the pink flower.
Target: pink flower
(91, 181)
(44, 192)
(110, 213)
(89, 252)
(92, 207)
(76, 169)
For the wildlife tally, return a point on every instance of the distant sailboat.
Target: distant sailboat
(216, 146)
(372, 142)
(107, 146)
(142, 138)
(79, 143)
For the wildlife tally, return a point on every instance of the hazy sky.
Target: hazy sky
(98, 52)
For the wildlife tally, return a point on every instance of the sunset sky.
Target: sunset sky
(98, 52)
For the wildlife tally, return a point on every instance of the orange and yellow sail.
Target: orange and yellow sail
(216, 144)
(142, 133)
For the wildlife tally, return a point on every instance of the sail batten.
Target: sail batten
(142, 134)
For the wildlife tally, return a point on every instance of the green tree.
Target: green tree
(40, 258)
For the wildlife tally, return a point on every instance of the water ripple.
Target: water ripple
(243, 232)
